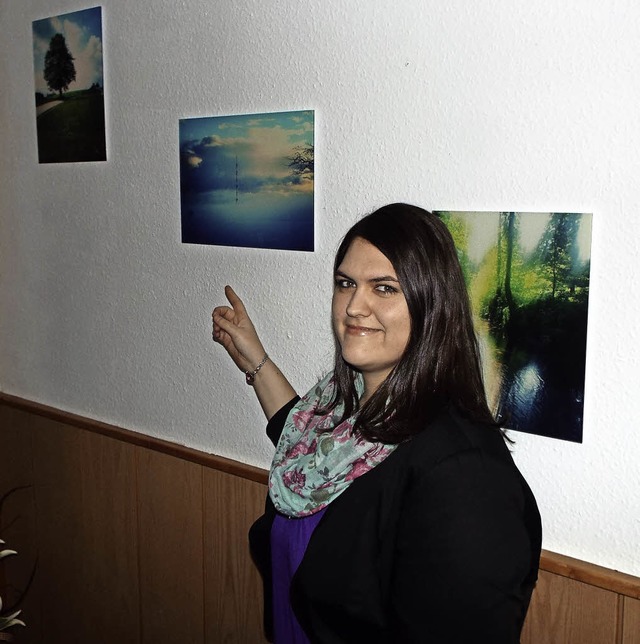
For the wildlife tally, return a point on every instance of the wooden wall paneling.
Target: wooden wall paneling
(233, 588)
(525, 636)
(631, 621)
(592, 574)
(565, 611)
(141, 540)
(87, 568)
(170, 531)
(57, 458)
(109, 541)
(18, 521)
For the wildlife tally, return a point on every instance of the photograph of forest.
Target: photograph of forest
(69, 88)
(247, 180)
(528, 280)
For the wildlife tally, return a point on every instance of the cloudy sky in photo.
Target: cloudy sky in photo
(261, 144)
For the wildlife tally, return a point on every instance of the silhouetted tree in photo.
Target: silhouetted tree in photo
(59, 69)
(302, 160)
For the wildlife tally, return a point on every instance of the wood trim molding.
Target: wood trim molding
(588, 573)
(213, 461)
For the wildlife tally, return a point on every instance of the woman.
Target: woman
(395, 512)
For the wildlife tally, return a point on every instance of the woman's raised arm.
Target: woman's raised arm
(234, 330)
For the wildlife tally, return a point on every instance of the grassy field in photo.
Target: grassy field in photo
(74, 130)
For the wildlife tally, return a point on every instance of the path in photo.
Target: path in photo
(41, 109)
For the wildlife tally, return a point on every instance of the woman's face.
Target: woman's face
(370, 314)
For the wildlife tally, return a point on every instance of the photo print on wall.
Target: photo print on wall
(69, 87)
(528, 280)
(247, 180)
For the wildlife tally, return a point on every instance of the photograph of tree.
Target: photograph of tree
(248, 180)
(67, 58)
(528, 280)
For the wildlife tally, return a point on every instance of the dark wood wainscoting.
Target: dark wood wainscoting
(138, 540)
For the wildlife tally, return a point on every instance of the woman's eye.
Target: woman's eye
(386, 288)
(343, 283)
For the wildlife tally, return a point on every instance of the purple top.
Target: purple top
(289, 540)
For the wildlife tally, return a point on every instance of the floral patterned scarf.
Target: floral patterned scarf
(312, 466)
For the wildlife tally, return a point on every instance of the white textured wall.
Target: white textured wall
(487, 105)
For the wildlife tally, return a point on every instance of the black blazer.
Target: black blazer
(440, 543)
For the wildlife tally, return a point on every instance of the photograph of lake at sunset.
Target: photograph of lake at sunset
(248, 180)
(528, 280)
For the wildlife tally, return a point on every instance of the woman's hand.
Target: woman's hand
(234, 330)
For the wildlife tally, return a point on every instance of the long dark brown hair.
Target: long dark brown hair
(441, 363)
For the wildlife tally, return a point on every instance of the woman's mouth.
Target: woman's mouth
(360, 330)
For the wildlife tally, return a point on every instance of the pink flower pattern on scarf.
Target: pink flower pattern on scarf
(313, 466)
(294, 480)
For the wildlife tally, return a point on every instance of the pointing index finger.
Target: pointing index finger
(234, 300)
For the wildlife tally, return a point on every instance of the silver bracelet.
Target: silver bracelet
(251, 375)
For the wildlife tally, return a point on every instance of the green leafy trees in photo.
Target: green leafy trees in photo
(557, 255)
(59, 70)
(528, 281)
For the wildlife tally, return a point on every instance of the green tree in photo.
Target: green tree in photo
(459, 228)
(509, 230)
(59, 70)
(502, 305)
(557, 254)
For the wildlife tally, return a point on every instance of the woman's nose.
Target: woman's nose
(358, 305)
